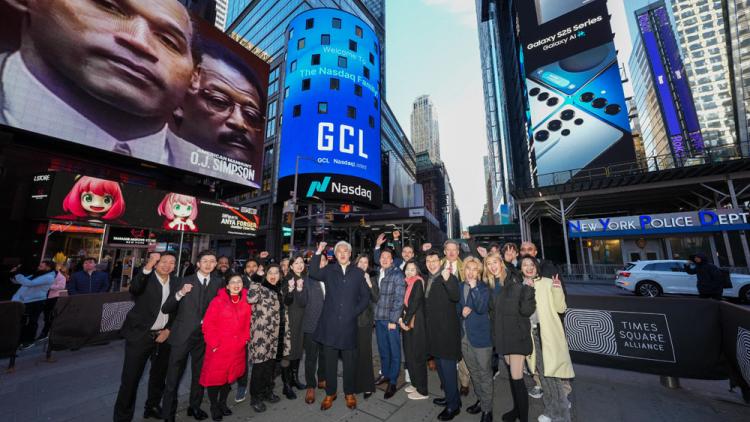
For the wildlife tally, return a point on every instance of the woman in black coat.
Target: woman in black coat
(512, 304)
(414, 332)
(295, 282)
(364, 378)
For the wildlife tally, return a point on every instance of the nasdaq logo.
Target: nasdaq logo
(318, 186)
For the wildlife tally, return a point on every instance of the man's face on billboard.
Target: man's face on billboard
(223, 112)
(131, 54)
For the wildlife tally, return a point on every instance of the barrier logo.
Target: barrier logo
(743, 352)
(632, 335)
(317, 186)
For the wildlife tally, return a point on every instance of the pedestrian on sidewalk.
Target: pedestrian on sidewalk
(311, 298)
(226, 329)
(146, 329)
(33, 294)
(387, 312)
(512, 305)
(60, 284)
(365, 378)
(476, 336)
(709, 278)
(414, 331)
(551, 358)
(88, 280)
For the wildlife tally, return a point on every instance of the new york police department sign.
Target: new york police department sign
(679, 222)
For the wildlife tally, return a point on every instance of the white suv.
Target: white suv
(654, 278)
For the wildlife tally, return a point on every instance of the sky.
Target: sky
(432, 47)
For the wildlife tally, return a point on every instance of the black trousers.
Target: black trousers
(416, 361)
(31, 314)
(349, 357)
(365, 377)
(195, 347)
(137, 353)
(314, 361)
(261, 378)
(217, 395)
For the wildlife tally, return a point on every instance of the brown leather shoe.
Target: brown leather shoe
(464, 391)
(327, 402)
(310, 396)
(321, 385)
(351, 401)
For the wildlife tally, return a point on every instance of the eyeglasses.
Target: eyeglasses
(221, 103)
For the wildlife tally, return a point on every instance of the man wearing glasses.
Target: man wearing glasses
(223, 111)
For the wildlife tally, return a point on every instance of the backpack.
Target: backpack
(724, 277)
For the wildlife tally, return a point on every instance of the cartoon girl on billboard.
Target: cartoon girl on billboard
(94, 199)
(179, 211)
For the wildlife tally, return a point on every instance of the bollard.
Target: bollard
(673, 383)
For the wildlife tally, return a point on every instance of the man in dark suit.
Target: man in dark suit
(190, 304)
(146, 328)
(346, 296)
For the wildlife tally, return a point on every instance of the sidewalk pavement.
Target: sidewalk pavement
(82, 386)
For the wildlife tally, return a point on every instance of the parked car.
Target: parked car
(655, 278)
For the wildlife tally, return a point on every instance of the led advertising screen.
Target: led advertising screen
(140, 78)
(79, 198)
(578, 115)
(331, 131)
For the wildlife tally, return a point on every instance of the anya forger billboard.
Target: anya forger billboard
(331, 109)
(140, 78)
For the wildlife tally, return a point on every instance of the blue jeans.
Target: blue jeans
(389, 348)
(449, 378)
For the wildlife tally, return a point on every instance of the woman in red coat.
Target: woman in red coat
(226, 329)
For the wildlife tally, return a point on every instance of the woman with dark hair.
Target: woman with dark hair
(412, 325)
(269, 333)
(226, 329)
(295, 280)
(364, 377)
(551, 359)
(512, 305)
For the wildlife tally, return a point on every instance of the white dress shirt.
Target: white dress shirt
(161, 318)
(31, 106)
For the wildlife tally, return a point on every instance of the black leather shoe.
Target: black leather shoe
(486, 417)
(169, 419)
(367, 395)
(216, 414)
(152, 412)
(440, 401)
(447, 414)
(474, 408)
(225, 410)
(272, 398)
(390, 391)
(257, 405)
(381, 380)
(197, 413)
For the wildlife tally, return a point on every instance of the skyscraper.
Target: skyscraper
(425, 135)
(738, 17)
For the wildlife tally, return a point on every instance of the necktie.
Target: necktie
(122, 148)
(450, 267)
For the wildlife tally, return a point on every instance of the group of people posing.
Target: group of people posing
(457, 316)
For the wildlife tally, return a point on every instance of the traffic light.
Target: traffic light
(345, 208)
(288, 217)
(286, 231)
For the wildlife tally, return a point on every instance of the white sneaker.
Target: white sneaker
(416, 396)
(544, 418)
(536, 392)
(410, 389)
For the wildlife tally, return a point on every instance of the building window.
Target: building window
(325, 39)
(271, 127)
(286, 92)
(336, 23)
(291, 34)
(375, 103)
(334, 84)
(309, 23)
(358, 31)
(371, 120)
(306, 84)
(351, 112)
(366, 71)
(358, 90)
(315, 59)
(273, 82)
(372, 58)
(342, 61)
(267, 175)
(322, 108)
(300, 44)
(297, 110)
(352, 45)
(292, 66)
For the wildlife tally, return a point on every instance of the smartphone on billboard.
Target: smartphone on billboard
(571, 73)
(547, 10)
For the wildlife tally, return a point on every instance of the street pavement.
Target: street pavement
(82, 386)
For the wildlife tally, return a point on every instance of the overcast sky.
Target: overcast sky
(432, 47)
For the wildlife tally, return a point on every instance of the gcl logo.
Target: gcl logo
(318, 186)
